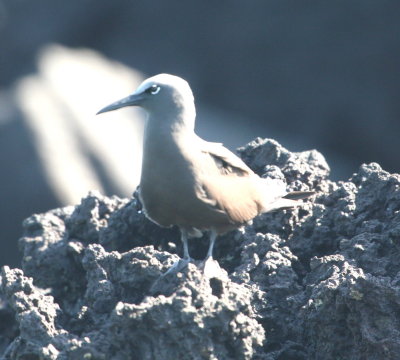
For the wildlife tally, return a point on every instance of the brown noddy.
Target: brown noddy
(189, 182)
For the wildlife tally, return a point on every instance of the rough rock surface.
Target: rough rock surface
(318, 282)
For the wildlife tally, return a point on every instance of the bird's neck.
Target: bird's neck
(164, 143)
(179, 123)
(163, 136)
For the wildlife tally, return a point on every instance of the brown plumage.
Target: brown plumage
(189, 182)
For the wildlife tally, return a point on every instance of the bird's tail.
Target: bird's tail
(289, 201)
(298, 195)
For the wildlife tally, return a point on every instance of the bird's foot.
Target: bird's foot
(178, 266)
(211, 267)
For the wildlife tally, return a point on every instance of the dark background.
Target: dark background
(321, 75)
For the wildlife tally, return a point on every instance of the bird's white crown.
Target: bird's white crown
(172, 82)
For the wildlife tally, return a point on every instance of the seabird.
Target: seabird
(189, 182)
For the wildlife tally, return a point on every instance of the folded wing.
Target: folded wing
(232, 187)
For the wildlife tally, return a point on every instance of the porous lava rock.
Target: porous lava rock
(318, 282)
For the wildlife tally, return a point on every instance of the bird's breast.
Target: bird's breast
(167, 181)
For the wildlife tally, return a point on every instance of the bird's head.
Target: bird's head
(157, 95)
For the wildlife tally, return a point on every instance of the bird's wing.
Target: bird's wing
(226, 161)
(238, 197)
(229, 185)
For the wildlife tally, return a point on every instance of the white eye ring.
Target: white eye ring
(154, 90)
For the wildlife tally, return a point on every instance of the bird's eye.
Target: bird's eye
(153, 90)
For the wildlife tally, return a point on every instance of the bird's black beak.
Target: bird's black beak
(131, 100)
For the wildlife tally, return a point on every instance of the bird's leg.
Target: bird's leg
(184, 239)
(213, 237)
(210, 266)
(181, 263)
